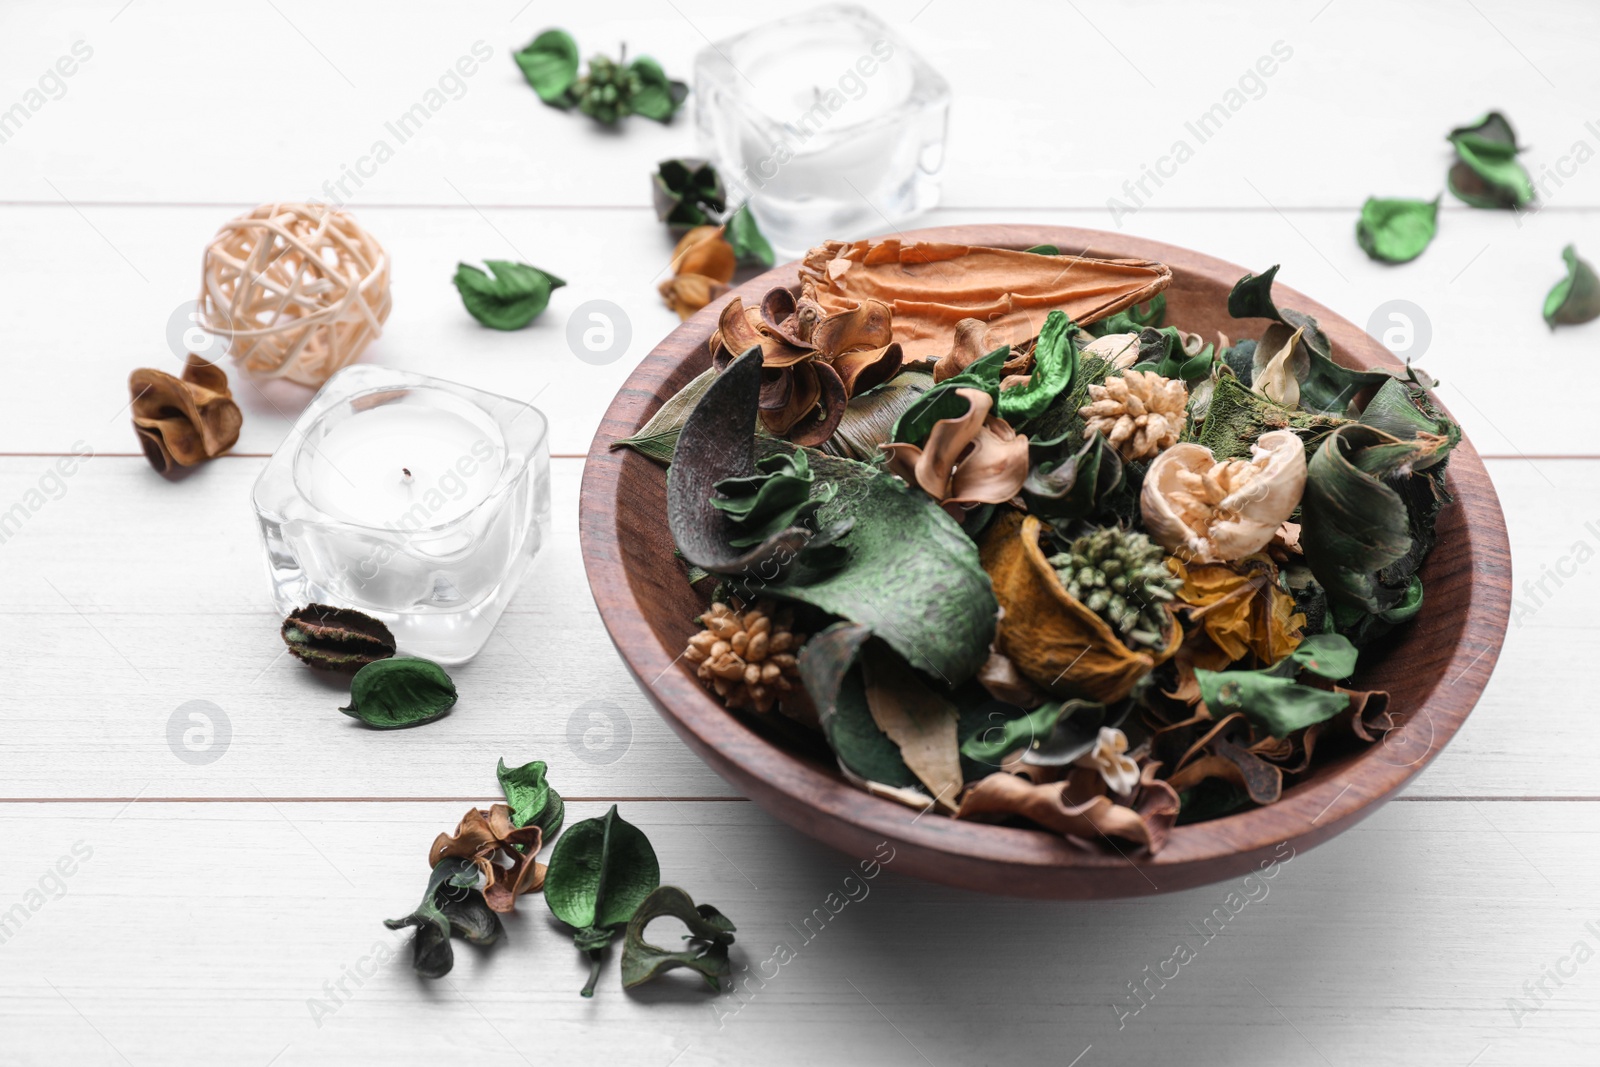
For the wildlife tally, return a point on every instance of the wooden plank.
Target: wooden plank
(130, 596)
(221, 933)
(1143, 79)
(1476, 294)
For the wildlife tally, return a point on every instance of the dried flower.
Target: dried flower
(747, 659)
(184, 421)
(973, 459)
(480, 837)
(336, 639)
(703, 250)
(1140, 412)
(1208, 512)
(1110, 758)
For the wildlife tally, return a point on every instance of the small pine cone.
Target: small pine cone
(747, 658)
(1140, 412)
(1121, 576)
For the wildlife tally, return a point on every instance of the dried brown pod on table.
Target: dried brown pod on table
(184, 421)
(336, 639)
(481, 837)
(702, 266)
(747, 658)
(932, 286)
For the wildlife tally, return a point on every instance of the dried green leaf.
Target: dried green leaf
(450, 905)
(531, 798)
(688, 193)
(336, 639)
(834, 683)
(393, 693)
(1397, 230)
(1133, 319)
(514, 297)
(1055, 362)
(550, 63)
(1367, 515)
(912, 574)
(710, 934)
(1575, 298)
(1487, 173)
(773, 499)
(657, 438)
(652, 94)
(748, 242)
(1065, 484)
(601, 870)
(1054, 734)
(1272, 699)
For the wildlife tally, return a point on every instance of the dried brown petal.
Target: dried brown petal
(184, 421)
(479, 837)
(336, 639)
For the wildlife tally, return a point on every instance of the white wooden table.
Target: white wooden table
(229, 912)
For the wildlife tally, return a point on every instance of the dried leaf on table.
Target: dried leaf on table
(450, 907)
(601, 871)
(515, 295)
(1486, 172)
(531, 798)
(710, 934)
(483, 837)
(1396, 230)
(687, 193)
(401, 691)
(1575, 298)
(933, 286)
(184, 421)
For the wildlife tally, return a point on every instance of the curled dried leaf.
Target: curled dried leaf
(481, 837)
(1147, 821)
(968, 459)
(184, 421)
(1208, 512)
(932, 286)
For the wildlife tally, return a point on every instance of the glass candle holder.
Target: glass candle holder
(826, 122)
(416, 500)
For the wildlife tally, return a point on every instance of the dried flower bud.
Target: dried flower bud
(703, 250)
(336, 639)
(688, 293)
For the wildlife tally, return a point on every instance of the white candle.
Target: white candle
(403, 465)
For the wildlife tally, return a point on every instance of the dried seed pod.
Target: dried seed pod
(336, 639)
(1140, 412)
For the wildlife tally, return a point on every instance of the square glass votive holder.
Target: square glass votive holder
(416, 500)
(827, 122)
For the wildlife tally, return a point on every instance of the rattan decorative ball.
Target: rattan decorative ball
(298, 290)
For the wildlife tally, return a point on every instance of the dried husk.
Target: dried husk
(1052, 638)
(688, 293)
(932, 286)
(184, 421)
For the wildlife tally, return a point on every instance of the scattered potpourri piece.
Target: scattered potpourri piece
(1050, 560)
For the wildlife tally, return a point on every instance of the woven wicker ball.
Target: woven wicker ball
(298, 290)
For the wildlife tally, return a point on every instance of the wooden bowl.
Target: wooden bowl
(1434, 668)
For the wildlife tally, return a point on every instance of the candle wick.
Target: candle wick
(405, 475)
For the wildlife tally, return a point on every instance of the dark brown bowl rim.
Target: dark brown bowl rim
(1011, 859)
